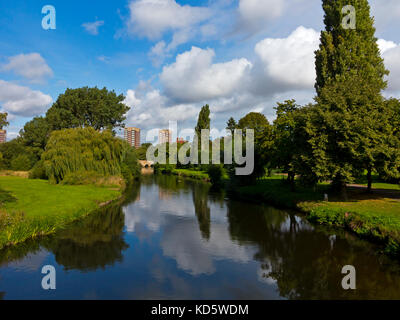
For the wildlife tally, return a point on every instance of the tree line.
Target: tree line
(348, 131)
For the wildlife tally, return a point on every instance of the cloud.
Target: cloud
(151, 109)
(193, 77)
(152, 18)
(93, 27)
(385, 45)
(255, 14)
(391, 55)
(23, 101)
(290, 62)
(31, 66)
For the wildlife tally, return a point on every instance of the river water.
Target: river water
(178, 239)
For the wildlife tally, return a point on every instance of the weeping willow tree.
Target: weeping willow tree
(85, 149)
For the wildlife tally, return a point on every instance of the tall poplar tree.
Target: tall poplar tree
(348, 127)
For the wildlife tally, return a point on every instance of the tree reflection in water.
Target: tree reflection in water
(261, 252)
(202, 209)
(303, 261)
(92, 243)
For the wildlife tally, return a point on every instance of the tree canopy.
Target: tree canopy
(3, 120)
(87, 107)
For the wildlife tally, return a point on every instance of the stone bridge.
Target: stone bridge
(146, 164)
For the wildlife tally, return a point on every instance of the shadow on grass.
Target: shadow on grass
(277, 191)
(6, 196)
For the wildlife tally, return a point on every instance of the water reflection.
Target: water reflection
(173, 238)
(95, 242)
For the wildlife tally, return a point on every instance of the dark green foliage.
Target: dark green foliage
(231, 125)
(3, 120)
(38, 171)
(130, 168)
(262, 143)
(348, 127)
(17, 156)
(22, 162)
(84, 107)
(86, 149)
(141, 152)
(348, 52)
(203, 122)
(35, 134)
(216, 172)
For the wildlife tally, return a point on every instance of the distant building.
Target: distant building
(3, 134)
(132, 136)
(180, 141)
(164, 136)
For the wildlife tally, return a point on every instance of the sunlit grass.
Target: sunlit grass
(36, 207)
(375, 216)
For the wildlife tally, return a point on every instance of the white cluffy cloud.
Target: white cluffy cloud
(152, 18)
(23, 101)
(290, 61)
(149, 108)
(391, 54)
(93, 27)
(254, 14)
(31, 66)
(282, 68)
(193, 77)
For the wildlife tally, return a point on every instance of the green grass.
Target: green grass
(30, 208)
(194, 174)
(275, 191)
(375, 217)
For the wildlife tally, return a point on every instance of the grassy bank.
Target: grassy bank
(31, 208)
(375, 216)
(193, 174)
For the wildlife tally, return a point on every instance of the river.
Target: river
(177, 239)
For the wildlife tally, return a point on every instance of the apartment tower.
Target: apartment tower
(132, 136)
(164, 136)
(3, 134)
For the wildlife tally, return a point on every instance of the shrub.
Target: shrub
(215, 172)
(22, 162)
(38, 171)
(91, 177)
(85, 149)
(130, 168)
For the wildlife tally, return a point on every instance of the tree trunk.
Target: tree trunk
(292, 177)
(369, 177)
(343, 191)
(339, 186)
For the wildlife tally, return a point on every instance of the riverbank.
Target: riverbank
(31, 208)
(192, 174)
(375, 216)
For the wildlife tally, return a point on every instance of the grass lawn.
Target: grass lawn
(29, 208)
(374, 216)
(194, 174)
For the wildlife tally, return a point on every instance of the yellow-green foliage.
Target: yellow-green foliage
(83, 149)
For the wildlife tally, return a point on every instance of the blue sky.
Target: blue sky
(171, 57)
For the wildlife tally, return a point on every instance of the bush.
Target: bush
(38, 171)
(22, 162)
(215, 172)
(130, 168)
(16, 156)
(91, 177)
(82, 150)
